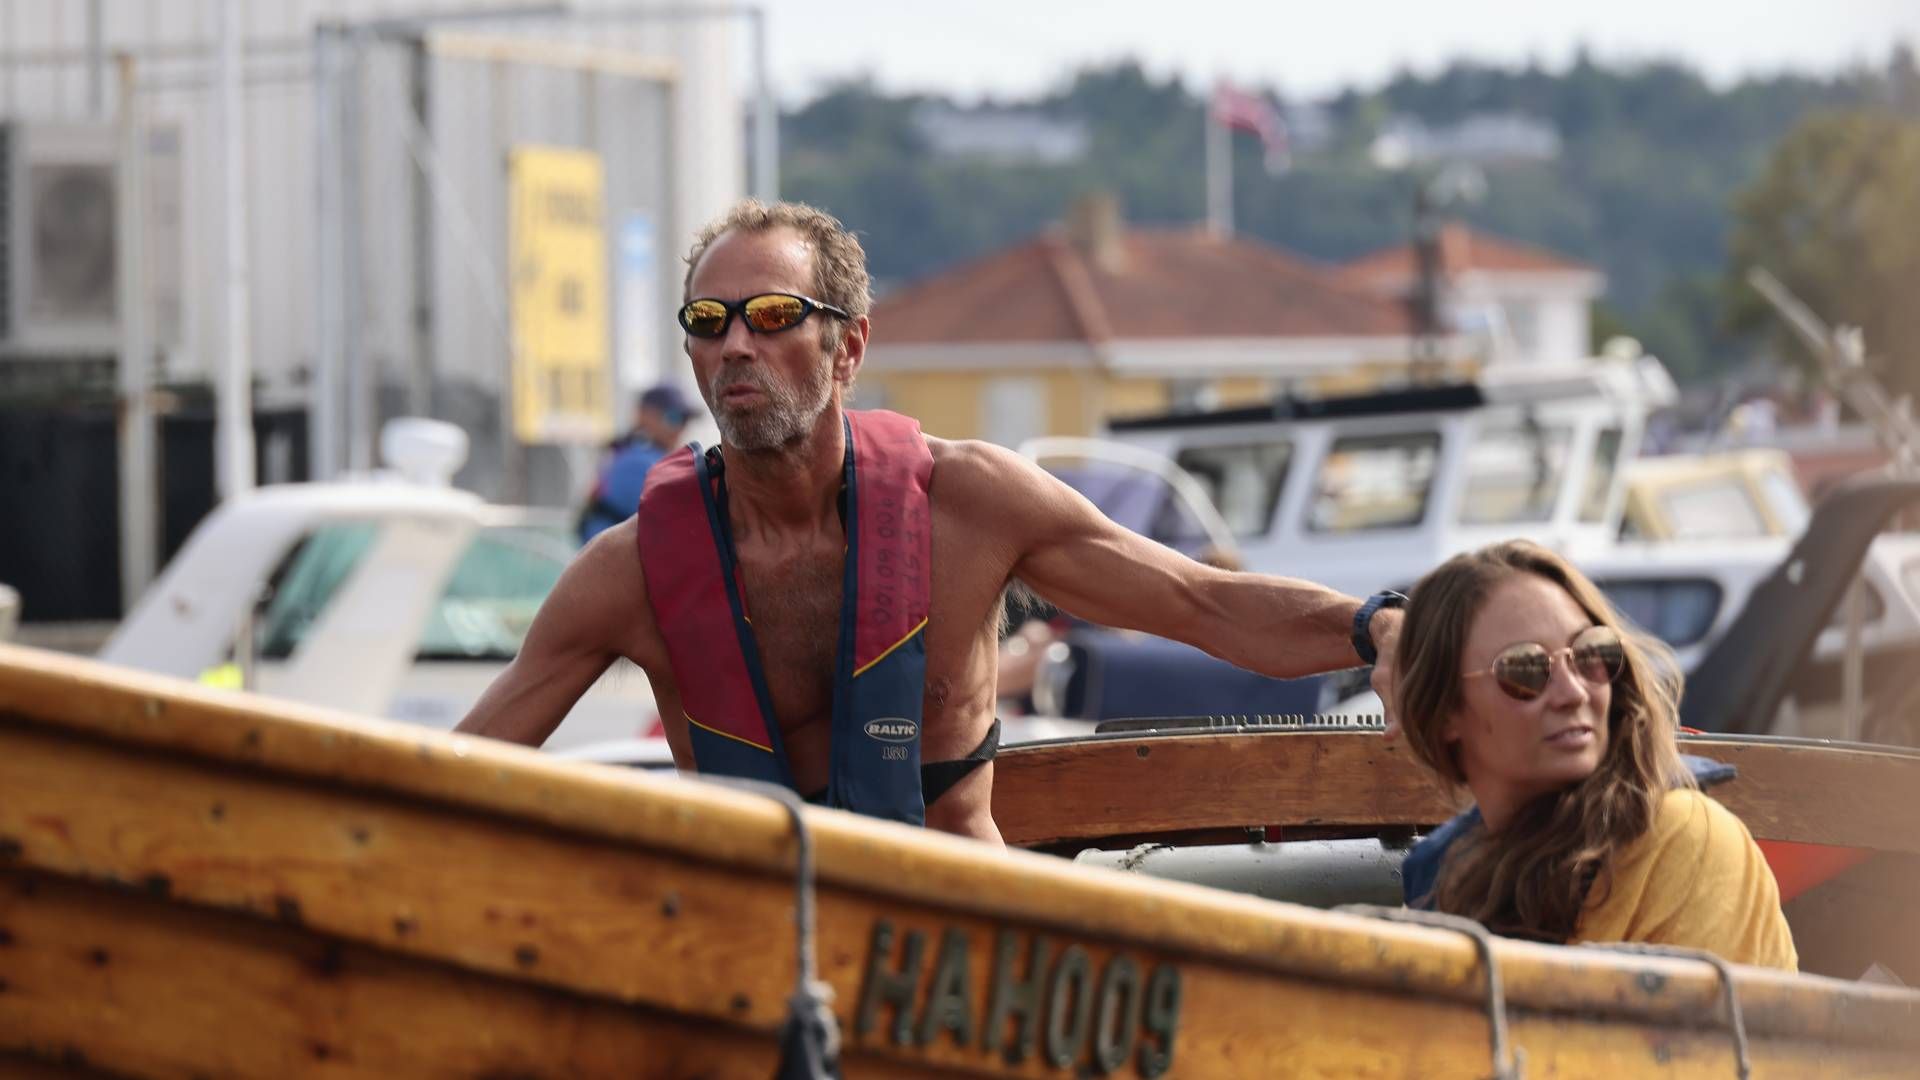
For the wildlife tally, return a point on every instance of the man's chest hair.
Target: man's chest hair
(794, 605)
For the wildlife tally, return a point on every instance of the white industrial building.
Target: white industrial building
(413, 199)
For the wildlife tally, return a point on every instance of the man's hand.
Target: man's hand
(1385, 629)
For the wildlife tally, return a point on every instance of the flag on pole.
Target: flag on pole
(1236, 109)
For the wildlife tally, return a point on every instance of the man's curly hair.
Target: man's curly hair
(839, 263)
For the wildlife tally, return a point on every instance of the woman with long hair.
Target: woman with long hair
(1518, 681)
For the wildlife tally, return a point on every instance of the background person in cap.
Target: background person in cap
(659, 417)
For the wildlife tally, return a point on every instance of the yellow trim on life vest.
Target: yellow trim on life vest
(726, 734)
(890, 648)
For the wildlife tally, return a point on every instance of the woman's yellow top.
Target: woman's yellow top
(1695, 878)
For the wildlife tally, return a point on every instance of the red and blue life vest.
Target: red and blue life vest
(693, 586)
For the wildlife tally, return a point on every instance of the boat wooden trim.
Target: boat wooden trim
(193, 881)
(1137, 787)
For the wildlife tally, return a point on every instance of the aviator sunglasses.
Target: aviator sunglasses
(1523, 670)
(768, 313)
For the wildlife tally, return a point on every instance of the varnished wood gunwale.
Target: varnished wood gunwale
(573, 857)
(1050, 793)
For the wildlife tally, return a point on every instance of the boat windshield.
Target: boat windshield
(482, 614)
(1784, 499)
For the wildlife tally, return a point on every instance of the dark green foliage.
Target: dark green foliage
(1836, 216)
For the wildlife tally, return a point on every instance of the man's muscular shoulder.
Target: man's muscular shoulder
(985, 484)
(603, 597)
(977, 474)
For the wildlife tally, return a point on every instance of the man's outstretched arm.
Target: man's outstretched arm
(576, 635)
(1073, 555)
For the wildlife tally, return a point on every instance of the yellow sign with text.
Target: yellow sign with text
(557, 247)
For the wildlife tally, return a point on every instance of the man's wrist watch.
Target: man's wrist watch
(1363, 619)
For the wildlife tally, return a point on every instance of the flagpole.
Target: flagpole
(1219, 173)
(233, 416)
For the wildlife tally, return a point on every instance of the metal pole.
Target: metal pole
(234, 427)
(1853, 662)
(96, 62)
(420, 373)
(323, 430)
(1219, 177)
(673, 215)
(359, 389)
(513, 454)
(766, 117)
(1428, 303)
(139, 527)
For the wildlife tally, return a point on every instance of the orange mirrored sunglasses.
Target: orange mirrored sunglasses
(768, 313)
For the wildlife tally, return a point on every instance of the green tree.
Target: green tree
(1836, 216)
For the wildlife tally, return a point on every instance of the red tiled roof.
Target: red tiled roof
(1169, 283)
(1461, 250)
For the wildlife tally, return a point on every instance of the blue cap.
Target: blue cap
(667, 398)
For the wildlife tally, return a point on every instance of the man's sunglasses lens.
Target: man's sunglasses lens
(767, 314)
(1523, 671)
(704, 318)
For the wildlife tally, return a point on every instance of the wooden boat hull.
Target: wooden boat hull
(201, 884)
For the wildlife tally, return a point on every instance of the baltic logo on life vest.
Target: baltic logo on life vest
(893, 729)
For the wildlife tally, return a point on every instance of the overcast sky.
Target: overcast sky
(970, 48)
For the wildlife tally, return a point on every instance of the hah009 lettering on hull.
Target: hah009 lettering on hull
(1058, 1006)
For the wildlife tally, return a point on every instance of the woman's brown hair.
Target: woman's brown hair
(1533, 878)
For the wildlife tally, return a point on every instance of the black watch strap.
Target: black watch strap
(1363, 619)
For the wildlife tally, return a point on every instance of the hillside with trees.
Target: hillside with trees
(1648, 170)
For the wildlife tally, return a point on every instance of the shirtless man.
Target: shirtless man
(776, 389)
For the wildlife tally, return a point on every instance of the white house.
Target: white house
(1531, 305)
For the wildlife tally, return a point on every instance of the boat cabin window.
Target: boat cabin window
(1606, 463)
(1678, 611)
(1716, 508)
(302, 586)
(483, 613)
(494, 592)
(1243, 481)
(1514, 473)
(1789, 506)
(1375, 482)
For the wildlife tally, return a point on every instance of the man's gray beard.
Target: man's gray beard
(789, 416)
